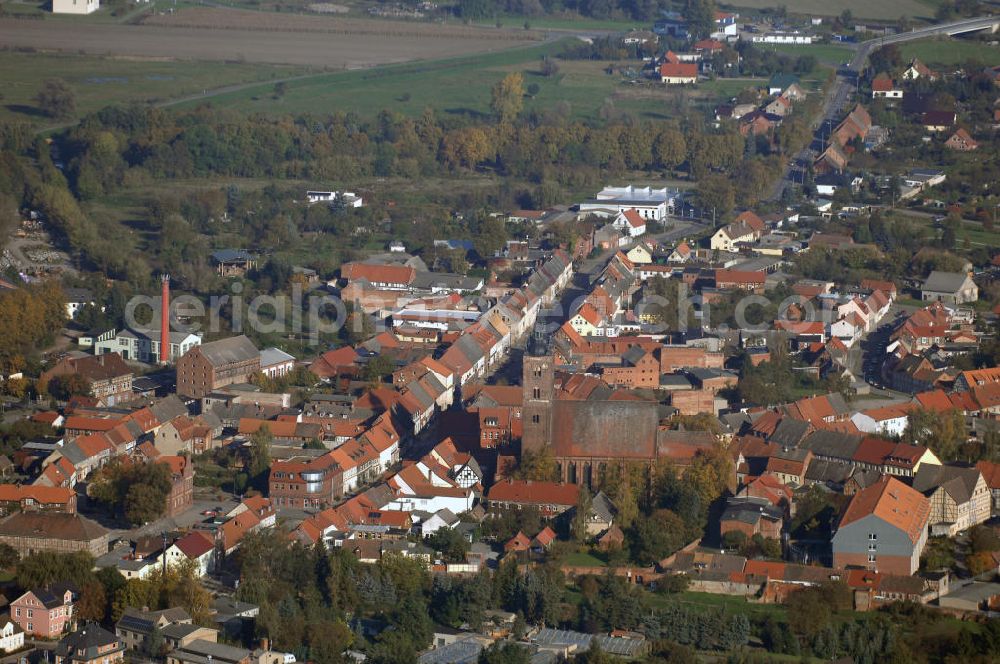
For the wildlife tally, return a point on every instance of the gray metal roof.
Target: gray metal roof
(624, 647)
(228, 351)
(210, 651)
(231, 256)
(602, 506)
(168, 408)
(465, 651)
(271, 356)
(832, 444)
(959, 482)
(749, 509)
(945, 282)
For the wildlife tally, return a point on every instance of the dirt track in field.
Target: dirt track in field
(233, 35)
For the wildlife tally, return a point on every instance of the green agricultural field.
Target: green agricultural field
(886, 10)
(461, 86)
(832, 54)
(950, 51)
(709, 601)
(97, 82)
(571, 23)
(971, 231)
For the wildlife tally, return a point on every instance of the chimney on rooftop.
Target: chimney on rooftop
(165, 319)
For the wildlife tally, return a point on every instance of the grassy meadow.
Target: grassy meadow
(462, 86)
(941, 52)
(885, 10)
(97, 82)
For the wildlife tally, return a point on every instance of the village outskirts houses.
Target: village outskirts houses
(959, 497)
(108, 376)
(630, 223)
(949, 287)
(90, 644)
(45, 612)
(11, 635)
(746, 229)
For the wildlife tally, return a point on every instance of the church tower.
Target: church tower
(537, 381)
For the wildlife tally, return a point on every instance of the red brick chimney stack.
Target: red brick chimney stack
(165, 320)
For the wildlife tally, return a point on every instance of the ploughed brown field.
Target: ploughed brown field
(239, 35)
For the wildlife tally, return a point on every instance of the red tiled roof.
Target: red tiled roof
(678, 70)
(634, 219)
(83, 423)
(545, 537)
(887, 412)
(877, 284)
(744, 277)
(588, 313)
(250, 425)
(534, 493)
(45, 495)
(176, 463)
(982, 376)
(873, 451)
(987, 396)
(708, 45)
(92, 444)
(882, 83)
(934, 400)
(812, 409)
(518, 542)
(765, 568)
(893, 502)
(195, 544)
(45, 417)
(991, 473)
(374, 273)
(751, 219)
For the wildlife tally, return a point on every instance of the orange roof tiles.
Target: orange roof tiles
(751, 219)
(195, 544)
(250, 425)
(45, 495)
(588, 313)
(378, 274)
(633, 218)
(894, 503)
(92, 444)
(882, 83)
(934, 400)
(177, 464)
(991, 473)
(45, 417)
(545, 537)
(518, 542)
(83, 423)
(528, 492)
(741, 277)
(678, 70)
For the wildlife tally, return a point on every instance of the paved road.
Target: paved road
(840, 92)
(182, 521)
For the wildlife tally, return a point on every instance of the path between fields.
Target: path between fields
(208, 94)
(226, 89)
(238, 87)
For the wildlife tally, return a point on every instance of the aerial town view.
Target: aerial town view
(499, 331)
